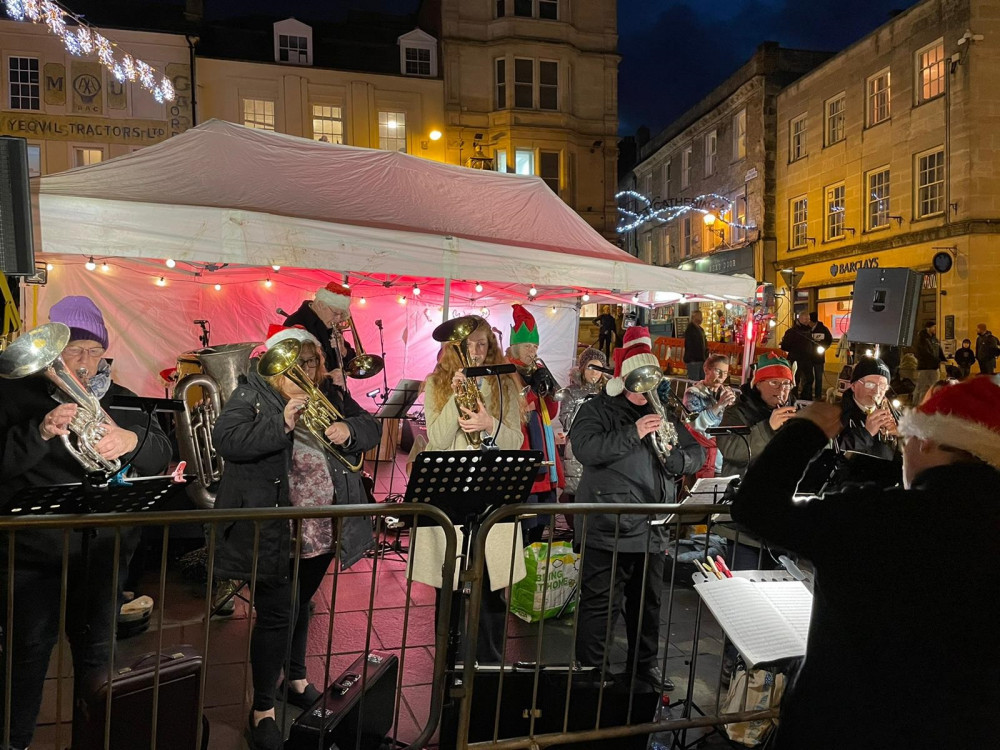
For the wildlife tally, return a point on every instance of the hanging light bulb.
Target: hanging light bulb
(268, 283)
(532, 292)
(161, 281)
(105, 267)
(552, 309)
(275, 268)
(479, 287)
(483, 312)
(362, 301)
(170, 262)
(401, 299)
(416, 290)
(586, 297)
(90, 265)
(218, 287)
(729, 305)
(49, 266)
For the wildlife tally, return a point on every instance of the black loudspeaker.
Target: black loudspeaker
(886, 302)
(17, 243)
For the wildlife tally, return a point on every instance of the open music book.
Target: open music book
(706, 491)
(767, 621)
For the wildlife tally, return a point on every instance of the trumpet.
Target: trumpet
(542, 380)
(883, 404)
(363, 365)
(456, 333)
(644, 380)
(319, 414)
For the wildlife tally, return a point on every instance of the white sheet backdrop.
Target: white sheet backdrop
(150, 325)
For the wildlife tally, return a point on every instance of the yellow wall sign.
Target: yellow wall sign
(90, 129)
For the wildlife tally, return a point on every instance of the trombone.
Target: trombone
(319, 414)
(363, 365)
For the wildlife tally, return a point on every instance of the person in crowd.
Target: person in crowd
(611, 439)
(607, 326)
(763, 406)
(869, 426)
(821, 340)
(330, 306)
(34, 416)
(965, 358)
(457, 408)
(585, 383)
(797, 344)
(882, 614)
(272, 460)
(929, 359)
(705, 403)
(987, 349)
(695, 346)
(541, 408)
(937, 386)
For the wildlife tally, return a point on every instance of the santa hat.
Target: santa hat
(276, 333)
(524, 330)
(770, 366)
(964, 416)
(334, 295)
(634, 352)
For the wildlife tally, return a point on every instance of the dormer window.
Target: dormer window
(418, 54)
(293, 43)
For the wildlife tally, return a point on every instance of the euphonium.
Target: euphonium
(456, 333)
(39, 352)
(644, 380)
(213, 375)
(363, 365)
(319, 414)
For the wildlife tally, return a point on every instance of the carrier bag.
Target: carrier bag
(563, 566)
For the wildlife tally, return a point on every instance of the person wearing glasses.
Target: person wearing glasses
(706, 401)
(33, 418)
(272, 460)
(764, 406)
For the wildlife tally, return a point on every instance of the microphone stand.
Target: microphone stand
(385, 378)
(205, 331)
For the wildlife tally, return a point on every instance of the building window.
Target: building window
(524, 161)
(797, 136)
(418, 61)
(930, 183)
(835, 126)
(328, 124)
(799, 226)
(258, 113)
(524, 83)
(546, 9)
(740, 135)
(25, 86)
(501, 8)
(835, 212)
(647, 247)
(686, 238)
(392, 131)
(83, 157)
(501, 83)
(648, 185)
(548, 84)
(930, 72)
(878, 199)
(548, 169)
(711, 148)
(293, 49)
(500, 160)
(739, 234)
(523, 8)
(686, 167)
(878, 98)
(34, 160)
(667, 178)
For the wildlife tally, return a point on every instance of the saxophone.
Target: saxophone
(456, 332)
(644, 380)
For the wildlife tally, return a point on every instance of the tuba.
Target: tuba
(319, 414)
(363, 365)
(644, 380)
(212, 377)
(39, 352)
(456, 332)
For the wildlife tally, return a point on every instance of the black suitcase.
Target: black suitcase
(131, 695)
(340, 718)
(550, 706)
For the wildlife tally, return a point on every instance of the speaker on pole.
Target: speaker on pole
(17, 245)
(886, 302)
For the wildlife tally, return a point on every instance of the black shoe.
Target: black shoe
(302, 700)
(653, 676)
(265, 735)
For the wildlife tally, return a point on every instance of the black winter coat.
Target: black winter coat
(250, 435)
(749, 410)
(619, 468)
(896, 631)
(309, 320)
(797, 342)
(928, 351)
(695, 344)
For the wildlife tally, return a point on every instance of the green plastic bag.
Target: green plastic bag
(560, 595)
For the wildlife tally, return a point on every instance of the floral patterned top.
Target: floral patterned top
(310, 484)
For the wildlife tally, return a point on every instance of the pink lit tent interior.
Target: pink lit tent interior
(228, 204)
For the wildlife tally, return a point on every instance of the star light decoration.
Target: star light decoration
(709, 203)
(81, 39)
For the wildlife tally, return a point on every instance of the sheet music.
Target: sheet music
(706, 491)
(766, 621)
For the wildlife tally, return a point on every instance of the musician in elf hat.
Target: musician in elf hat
(321, 316)
(541, 410)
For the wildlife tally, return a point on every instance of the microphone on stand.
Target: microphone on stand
(499, 334)
(281, 312)
(378, 324)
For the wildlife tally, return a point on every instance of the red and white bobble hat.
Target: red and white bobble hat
(634, 352)
(334, 295)
(965, 416)
(276, 333)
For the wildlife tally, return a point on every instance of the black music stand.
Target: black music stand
(134, 496)
(396, 406)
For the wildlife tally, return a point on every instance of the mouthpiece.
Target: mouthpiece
(598, 368)
(199, 322)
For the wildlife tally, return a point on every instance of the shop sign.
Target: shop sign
(77, 128)
(842, 268)
(86, 81)
(54, 77)
(733, 261)
(751, 173)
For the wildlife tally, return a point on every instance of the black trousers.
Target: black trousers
(605, 593)
(811, 374)
(606, 342)
(275, 613)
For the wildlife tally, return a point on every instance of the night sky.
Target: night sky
(673, 51)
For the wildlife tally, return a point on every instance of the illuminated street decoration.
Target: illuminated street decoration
(80, 38)
(667, 210)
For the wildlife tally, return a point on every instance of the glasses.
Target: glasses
(75, 352)
(873, 386)
(719, 372)
(781, 385)
(309, 364)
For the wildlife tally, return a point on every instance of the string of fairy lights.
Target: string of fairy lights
(667, 211)
(80, 38)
